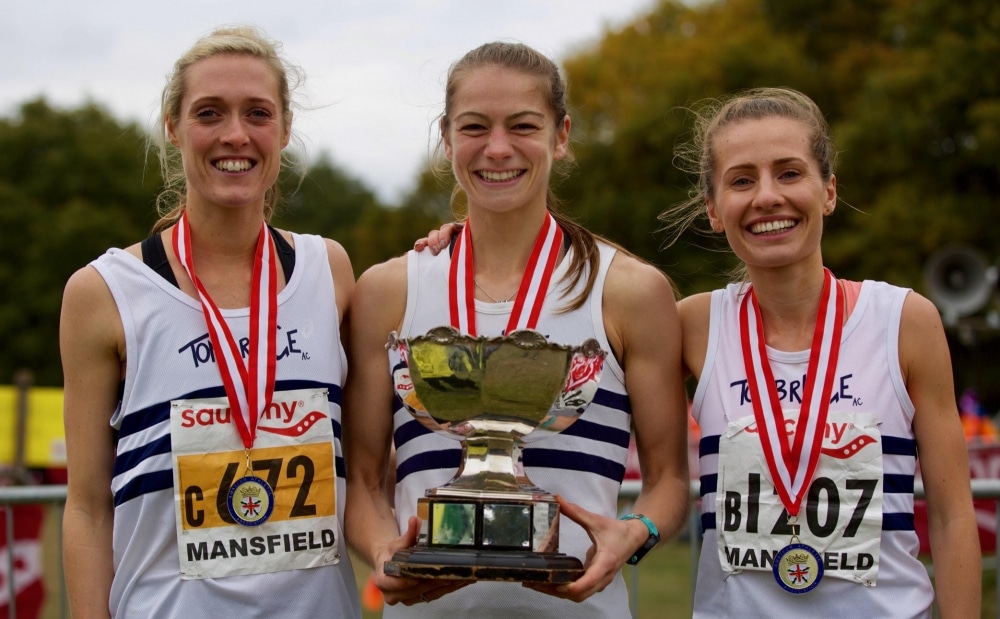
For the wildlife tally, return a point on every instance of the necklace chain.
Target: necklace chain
(491, 297)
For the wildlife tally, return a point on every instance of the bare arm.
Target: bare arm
(377, 309)
(641, 320)
(92, 349)
(380, 299)
(944, 461)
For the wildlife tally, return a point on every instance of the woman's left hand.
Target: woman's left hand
(612, 546)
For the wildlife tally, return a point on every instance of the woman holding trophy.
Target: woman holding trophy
(518, 265)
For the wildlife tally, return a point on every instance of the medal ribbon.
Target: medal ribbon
(255, 385)
(531, 293)
(792, 460)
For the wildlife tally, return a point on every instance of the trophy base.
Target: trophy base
(460, 564)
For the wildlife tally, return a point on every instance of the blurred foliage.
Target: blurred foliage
(910, 90)
(72, 183)
(909, 87)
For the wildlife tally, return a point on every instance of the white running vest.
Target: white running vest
(585, 463)
(868, 385)
(170, 360)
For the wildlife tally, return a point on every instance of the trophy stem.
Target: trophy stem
(491, 467)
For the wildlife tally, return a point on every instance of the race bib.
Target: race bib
(841, 515)
(293, 453)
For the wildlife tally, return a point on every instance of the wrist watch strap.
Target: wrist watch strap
(652, 540)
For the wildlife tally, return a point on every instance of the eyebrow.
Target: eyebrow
(252, 100)
(511, 117)
(782, 161)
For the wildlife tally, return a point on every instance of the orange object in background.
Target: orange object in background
(371, 597)
(975, 422)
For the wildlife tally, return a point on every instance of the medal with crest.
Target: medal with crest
(250, 501)
(249, 385)
(792, 458)
(798, 568)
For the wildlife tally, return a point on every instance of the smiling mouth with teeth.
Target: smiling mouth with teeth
(231, 165)
(772, 226)
(499, 176)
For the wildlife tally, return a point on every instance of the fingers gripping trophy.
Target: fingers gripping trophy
(490, 522)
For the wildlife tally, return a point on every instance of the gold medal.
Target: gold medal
(798, 568)
(250, 501)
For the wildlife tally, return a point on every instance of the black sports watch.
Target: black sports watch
(652, 540)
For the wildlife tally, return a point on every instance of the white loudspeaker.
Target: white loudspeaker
(959, 281)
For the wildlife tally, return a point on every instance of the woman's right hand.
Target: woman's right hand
(437, 240)
(405, 590)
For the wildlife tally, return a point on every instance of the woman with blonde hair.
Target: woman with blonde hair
(202, 375)
(815, 395)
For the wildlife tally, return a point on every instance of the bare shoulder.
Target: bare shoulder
(694, 310)
(87, 289)
(920, 328)
(632, 282)
(919, 312)
(694, 313)
(337, 253)
(640, 312)
(923, 345)
(343, 274)
(389, 274)
(89, 324)
(380, 294)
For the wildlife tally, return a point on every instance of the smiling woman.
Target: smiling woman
(178, 503)
(815, 395)
(503, 130)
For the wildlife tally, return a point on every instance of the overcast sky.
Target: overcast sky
(374, 68)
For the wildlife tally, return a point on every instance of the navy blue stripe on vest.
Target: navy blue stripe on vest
(430, 460)
(897, 522)
(574, 461)
(897, 484)
(895, 446)
(144, 419)
(550, 458)
(891, 445)
(707, 521)
(890, 522)
(595, 431)
(128, 460)
(149, 482)
(580, 428)
(708, 445)
(709, 483)
(408, 431)
(610, 399)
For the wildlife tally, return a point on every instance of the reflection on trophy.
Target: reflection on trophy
(494, 395)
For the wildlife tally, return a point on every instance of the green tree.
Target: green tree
(629, 96)
(331, 203)
(921, 143)
(72, 183)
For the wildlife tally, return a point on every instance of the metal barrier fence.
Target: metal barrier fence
(56, 495)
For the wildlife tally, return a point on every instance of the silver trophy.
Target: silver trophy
(490, 522)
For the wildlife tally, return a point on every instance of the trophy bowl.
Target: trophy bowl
(490, 522)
